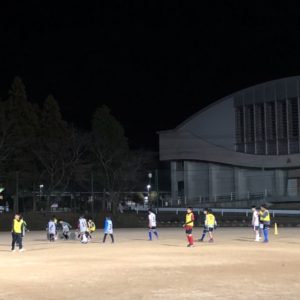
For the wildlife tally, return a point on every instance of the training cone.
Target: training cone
(275, 229)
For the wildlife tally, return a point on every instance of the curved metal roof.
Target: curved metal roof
(278, 89)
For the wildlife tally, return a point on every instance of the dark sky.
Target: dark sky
(153, 63)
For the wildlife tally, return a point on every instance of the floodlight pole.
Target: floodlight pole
(16, 199)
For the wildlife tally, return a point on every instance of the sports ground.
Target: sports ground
(234, 267)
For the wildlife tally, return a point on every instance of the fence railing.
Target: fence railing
(222, 211)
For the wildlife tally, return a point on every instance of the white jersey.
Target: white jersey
(51, 227)
(152, 219)
(65, 227)
(255, 219)
(83, 225)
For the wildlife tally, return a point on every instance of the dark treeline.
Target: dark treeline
(38, 147)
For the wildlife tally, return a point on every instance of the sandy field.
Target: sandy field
(234, 267)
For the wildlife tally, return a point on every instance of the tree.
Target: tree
(58, 148)
(110, 149)
(18, 124)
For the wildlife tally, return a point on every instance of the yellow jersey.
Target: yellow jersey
(17, 226)
(210, 220)
(189, 219)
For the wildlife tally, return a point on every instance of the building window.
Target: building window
(260, 129)
(180, 165)
(239, 132)
(271, 128)
(282, 127)
(293, 125)
(249, 128)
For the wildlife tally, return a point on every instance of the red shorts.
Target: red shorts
(188, 229)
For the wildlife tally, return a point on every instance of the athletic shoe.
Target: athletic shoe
(21, 250)
(13, 250)
(265, 241)
(190, 245)
(211, 240)
(200, 240)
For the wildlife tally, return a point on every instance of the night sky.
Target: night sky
(153, 63)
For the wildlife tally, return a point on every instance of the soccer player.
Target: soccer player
(16, 233)
(83, 228)
(205, 229)
(65, 229)
(188, 225)
(152, 224)
(108, 229)
(255, 222)
(91, 227)
(266, 219)
(210, 223)
(51, 230)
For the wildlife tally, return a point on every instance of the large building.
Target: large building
(245, 146)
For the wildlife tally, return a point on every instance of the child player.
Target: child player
(205, 229)
(51, 230)
(209, 225)
(255, 222)
(91, 227)
(83, 229)
(152, 224)
(108, 229)
(65, 229)
(188, 225)
(210, 222)
(266, 220)
(16, 233)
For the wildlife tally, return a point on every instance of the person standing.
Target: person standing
(188, 225)
(266, 220)
(255, 222)
(51, 230)
(108, 229)
(17, 233)
(152, 224)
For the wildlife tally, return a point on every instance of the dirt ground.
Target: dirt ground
(234, 267)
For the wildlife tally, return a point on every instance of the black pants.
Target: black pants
(51, 237)
(16, 238)
(112, 238)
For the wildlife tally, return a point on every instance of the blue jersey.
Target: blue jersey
(108, 227)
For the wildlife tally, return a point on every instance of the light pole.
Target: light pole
(148, 189)
(41, 191)
(149, 186)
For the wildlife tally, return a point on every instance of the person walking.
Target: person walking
(108, 229)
